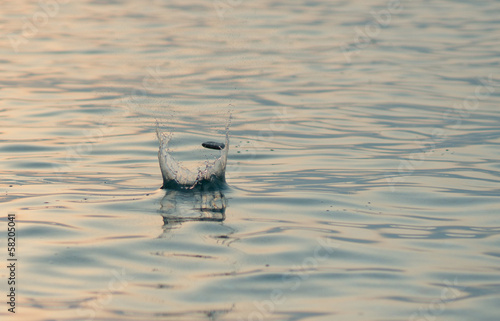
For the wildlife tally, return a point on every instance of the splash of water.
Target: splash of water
(176, 176)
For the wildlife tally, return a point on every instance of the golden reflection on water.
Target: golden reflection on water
(321, 149)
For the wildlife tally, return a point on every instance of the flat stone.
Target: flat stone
(213, 145)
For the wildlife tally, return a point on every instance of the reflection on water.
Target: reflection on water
(356, 123)
(178, 206)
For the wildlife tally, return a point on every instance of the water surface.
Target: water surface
(363, 170)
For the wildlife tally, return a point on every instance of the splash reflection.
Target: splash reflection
(178, 206)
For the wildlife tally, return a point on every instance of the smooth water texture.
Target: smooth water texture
(362, 168)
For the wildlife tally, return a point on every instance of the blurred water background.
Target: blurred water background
(363, 170)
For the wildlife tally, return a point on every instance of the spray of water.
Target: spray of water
(212, 174)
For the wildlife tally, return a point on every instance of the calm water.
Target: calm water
(363, 171)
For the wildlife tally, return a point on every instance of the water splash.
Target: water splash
(212, 174)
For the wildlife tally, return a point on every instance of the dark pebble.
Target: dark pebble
(213, 145)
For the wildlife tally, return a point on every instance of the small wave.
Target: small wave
(212, 174)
